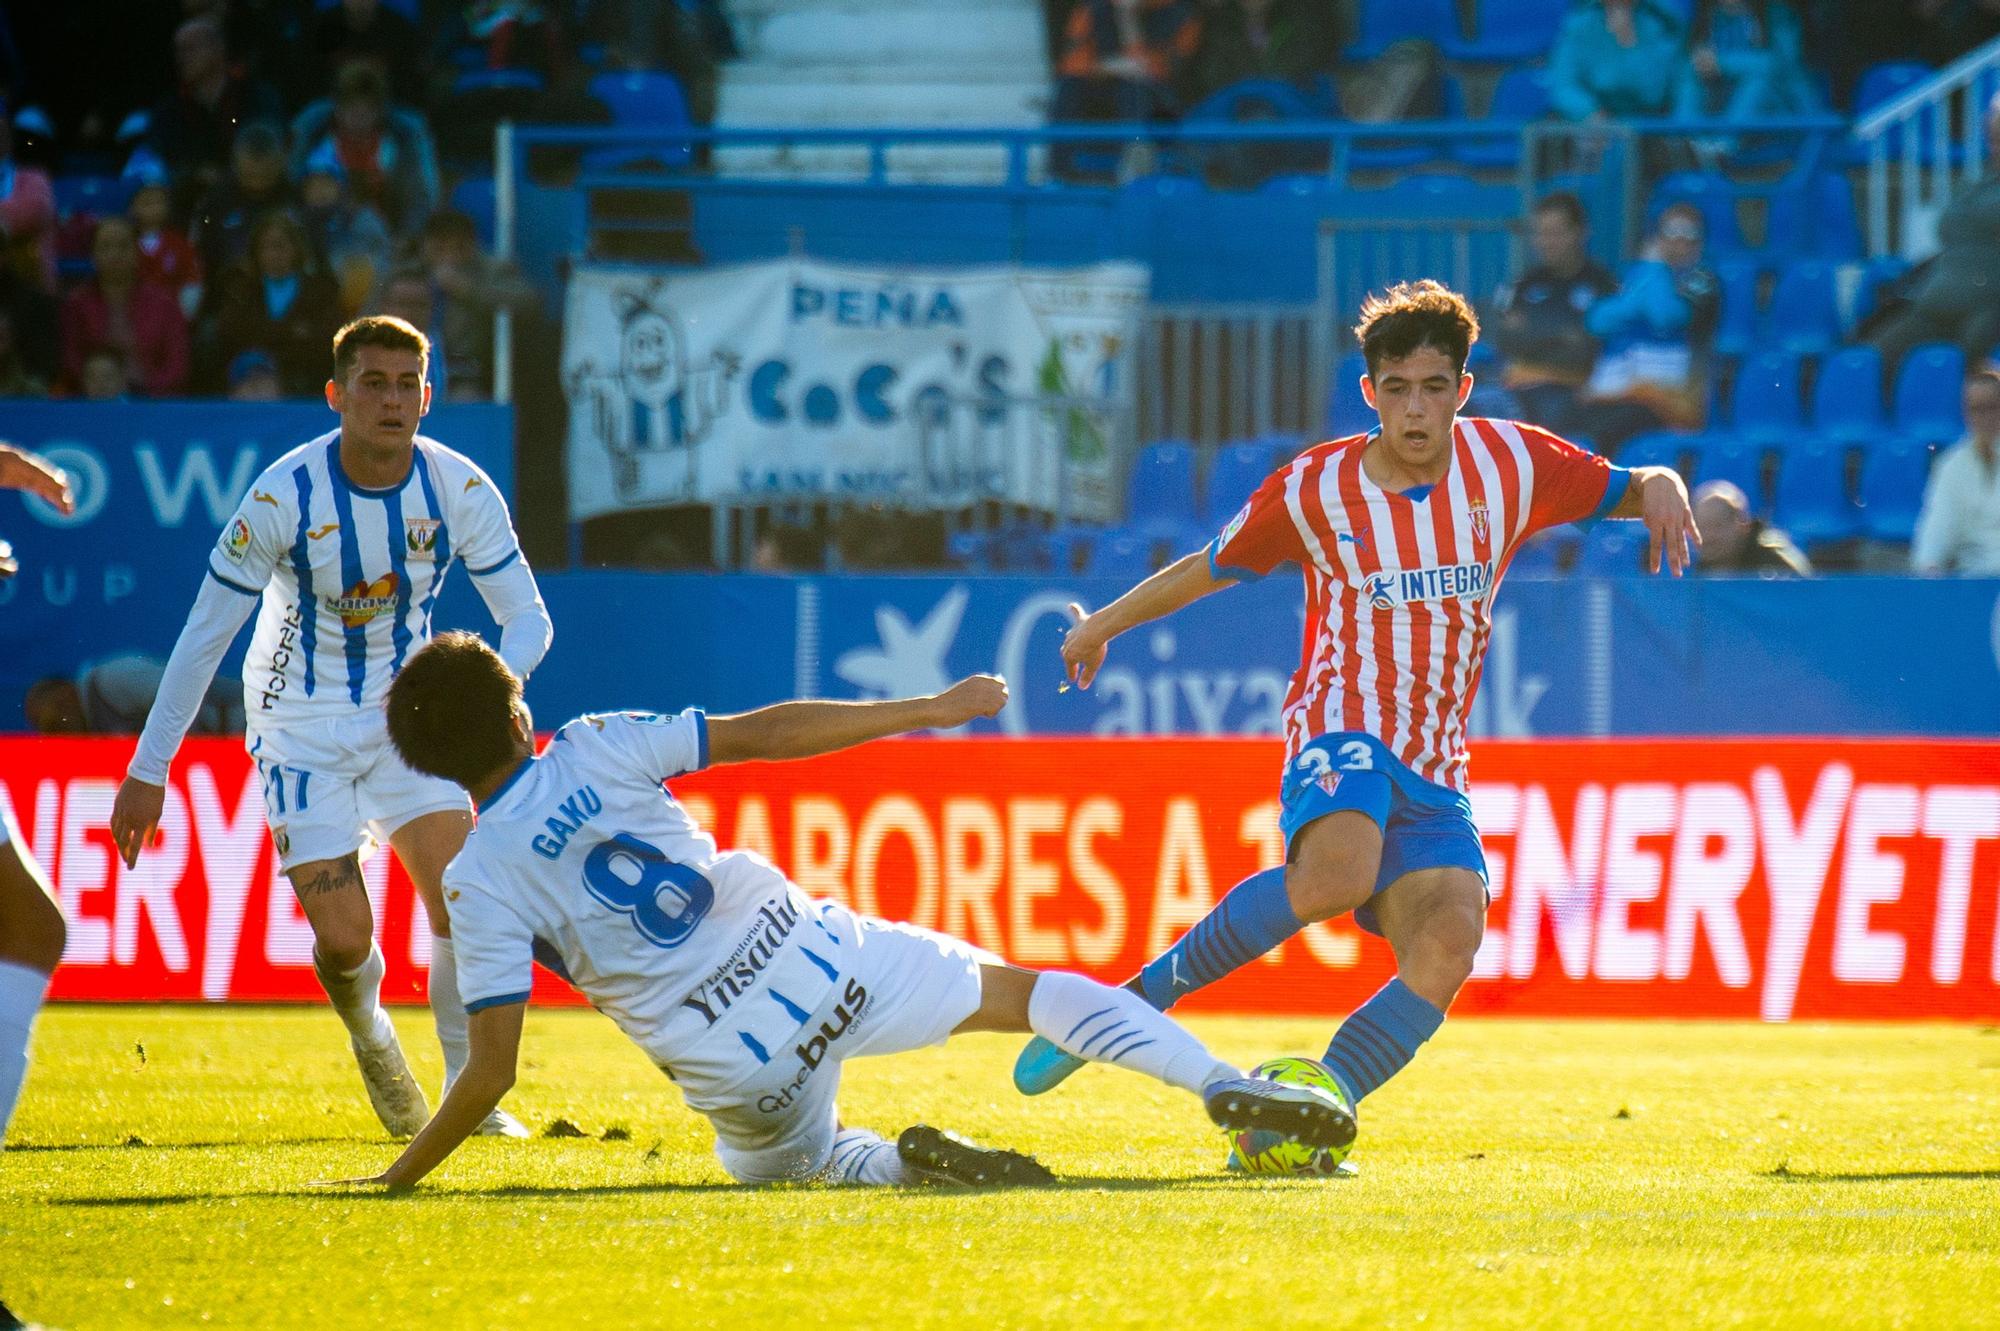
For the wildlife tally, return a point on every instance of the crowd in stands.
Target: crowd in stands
(236, 178)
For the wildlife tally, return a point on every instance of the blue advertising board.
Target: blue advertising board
(154, 484)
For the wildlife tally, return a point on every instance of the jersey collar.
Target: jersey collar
(507, 785)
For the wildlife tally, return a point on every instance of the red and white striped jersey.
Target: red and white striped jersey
(1399, 590)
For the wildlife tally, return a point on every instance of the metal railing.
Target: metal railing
(1921, 145)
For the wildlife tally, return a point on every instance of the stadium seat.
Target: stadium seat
(474, 197)
(1847, 397)
(1161, 495)
(1347, 411)
(1767, 396)
(1124, 555)
(1236, 473)
(1509, 31)
(1812, 214)
(1805, 309)
(1545, 554)
(1713, 195)
(1261, 98)
(1893, 474)
(1383, 23)
(1662, 449)
(1812, 503)
(1521, 95)
(1928, 390)
(1736, 331)
(1732, 458)
(641, 99)
(95, 196)
(969, 550)
(497, 80)
(1611, 550)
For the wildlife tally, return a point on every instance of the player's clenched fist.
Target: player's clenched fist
(979, 695)
(134, 817)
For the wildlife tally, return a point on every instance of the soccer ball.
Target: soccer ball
(1262, 1151)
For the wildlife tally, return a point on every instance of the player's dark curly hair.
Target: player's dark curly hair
(377, 330)
(450, 708)
(1416, 314)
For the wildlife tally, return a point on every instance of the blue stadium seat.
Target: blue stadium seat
(1812, 214)
(1929, 387)
(1883, 83)
(1544, 554)
(641, 99)
(1611, 550)
(1767, 397)
(1713, 195)
(1520, 95)
(1509, 31)
(1237, 471)
(474, 197)
(1347, 411)
(1265, 96)
(1805, 309)
(1847, 397)
(98, 196)
(1736, 332)
(1893, 474)
(1125, 555)
(1732, 458)
(1161, 495)
(1386, 22)
(1661, 449)
(497, 80)
(1812, 501)
(970, 550)
(1876, 274)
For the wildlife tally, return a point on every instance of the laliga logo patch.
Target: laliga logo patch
(1480, 527)
(420, 537)
(282, 839)
(1235, 525)
(1380, 591)
(236, 541)
(364, 601)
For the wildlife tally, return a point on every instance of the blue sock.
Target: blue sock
(1380, 1037)
(1253, 918)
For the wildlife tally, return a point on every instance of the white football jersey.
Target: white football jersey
(349, 577)
(709, 960)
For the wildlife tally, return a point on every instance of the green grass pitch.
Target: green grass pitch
(1518, 1175)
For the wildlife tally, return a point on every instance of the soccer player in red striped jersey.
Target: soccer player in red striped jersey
(1403, 535)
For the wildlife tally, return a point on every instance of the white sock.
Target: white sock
(21, 989)
(448, 1010)
(357, 997)
(860, 1156)
(1089, 1020)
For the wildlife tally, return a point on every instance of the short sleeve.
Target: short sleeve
(652, 747)
(252, 542)
(1571, 484)
(483, 531)
(494, 948)
(1261, 536)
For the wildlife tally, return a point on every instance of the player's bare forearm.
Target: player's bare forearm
(1658, 497)
(1179, 584)
(804, 729)
(495, 1036)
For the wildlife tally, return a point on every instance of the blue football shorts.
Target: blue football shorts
(1424, 825)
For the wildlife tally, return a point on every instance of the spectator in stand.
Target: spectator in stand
(194, 131)
(386, 150)
(1617, 58)
(141, 322)
(1656, 331)
(648, 35)
(279, 302)
(522, 40)
(408, 294)
(1127, 59)
(469, 287)
(350, 240)
(1294, 41)
(1733, 541)
(166, 255)
(1958, 530)
(114, 696)
(367, 30)
(1747, 61)
(16, 380)
(256, 185)
(27, 215)
(1956, 297)
(105, 377)
(253, 377)
(1539, 324)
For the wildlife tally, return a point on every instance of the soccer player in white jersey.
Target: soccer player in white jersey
(32, 933)
(1403, 534)
(744, 991)
(344, 544)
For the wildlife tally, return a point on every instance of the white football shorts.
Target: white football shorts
(336, 784)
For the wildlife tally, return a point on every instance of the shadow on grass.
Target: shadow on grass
(136, 1145)
(1789, 1175)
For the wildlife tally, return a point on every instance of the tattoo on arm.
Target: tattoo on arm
(345, 874)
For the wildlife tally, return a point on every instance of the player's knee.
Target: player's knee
(1443, 952)
(342, 948)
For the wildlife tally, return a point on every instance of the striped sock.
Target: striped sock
(1254, 917)
(1380, 1038)
(860, 1156)
(1091, 1021)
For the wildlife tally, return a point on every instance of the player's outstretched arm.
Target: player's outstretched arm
(22, 470)
(495, 1033)
(803, 729)
(1658, 497)
(1179, 584)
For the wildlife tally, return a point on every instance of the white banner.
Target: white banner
(921, 387)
